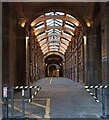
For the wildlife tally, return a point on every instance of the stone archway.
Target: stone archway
(53, 70)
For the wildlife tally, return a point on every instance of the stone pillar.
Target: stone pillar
(27, 60)
(97, 57)
(31, 55)
(0, 60)
(21, 57)
(105, 57)
(90, 56)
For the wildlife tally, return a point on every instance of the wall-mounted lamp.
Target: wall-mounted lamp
(89, 22)
(22, 22)
(85, 40)
(27, 37)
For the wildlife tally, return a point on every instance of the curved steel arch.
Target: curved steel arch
(62, 26)
(56, 53)
(62, 17)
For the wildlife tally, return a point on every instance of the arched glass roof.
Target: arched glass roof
(54, 31)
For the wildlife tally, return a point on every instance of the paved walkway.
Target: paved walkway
(60, 98)
(68, 99)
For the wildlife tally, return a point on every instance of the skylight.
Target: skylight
(55, 31)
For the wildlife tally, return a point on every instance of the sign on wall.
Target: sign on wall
(104, 57)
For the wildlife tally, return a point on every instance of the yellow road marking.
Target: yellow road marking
(26, 112)
(41, 99)
(47, 109)
(36, 104)
(17, 100)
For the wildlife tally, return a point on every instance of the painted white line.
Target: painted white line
(47, 109)
(51, 80)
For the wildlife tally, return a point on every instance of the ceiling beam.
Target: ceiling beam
(62, 17)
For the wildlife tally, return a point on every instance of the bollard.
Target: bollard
(5, 102)
(23, 103)
(12, 102)
(30, 94)
(96, 93)
(103, 102)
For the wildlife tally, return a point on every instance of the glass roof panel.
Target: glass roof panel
(61, 51)
(59, 13)
(43, 46)
(62, 48)
(67, 34)
(39, 27)
(62, 44)
(40, 23)
(44, 49)
(43, 39)
(54, 43)
(41, 35)
(70, 16)
(64, 40)
(70, 27)
(53, 49)
(56, 33)
(50, 13)
(42, 42)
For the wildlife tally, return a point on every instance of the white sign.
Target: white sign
(5, 91)
(23, 92)
(104, 59)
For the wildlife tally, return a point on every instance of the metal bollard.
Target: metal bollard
(103, 102)
(30, 94)
(23, 103)
(96, 93)
(12, 101)
(5, 102)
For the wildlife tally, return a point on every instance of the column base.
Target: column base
(104, 116)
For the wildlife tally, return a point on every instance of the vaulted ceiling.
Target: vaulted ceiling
(54, 31)
(55, 23)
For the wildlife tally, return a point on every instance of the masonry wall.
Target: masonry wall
(0, 59)
(13, 54)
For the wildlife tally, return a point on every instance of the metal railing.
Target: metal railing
(11, 91)
(99, 97)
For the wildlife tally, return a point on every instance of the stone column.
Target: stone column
(90, 56)
(27, 60)
(31, 55)
(105, 57)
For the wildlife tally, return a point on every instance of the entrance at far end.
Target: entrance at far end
(54, 66)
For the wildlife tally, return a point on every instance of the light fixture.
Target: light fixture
(76, 23)
(22, 22)
(85, 40)
(32, 24)
(89, 22)
(27, 37)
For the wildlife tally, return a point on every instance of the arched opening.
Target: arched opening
(53, 70)
(54, 66)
